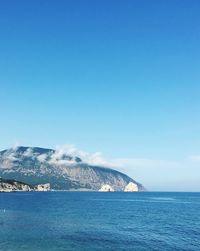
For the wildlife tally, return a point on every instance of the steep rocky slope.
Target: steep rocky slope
(34, 165)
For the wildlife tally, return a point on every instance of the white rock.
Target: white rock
(131, 187)
(43, 187)
(26, 188)
(106, 188)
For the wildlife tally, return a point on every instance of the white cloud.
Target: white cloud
(97, 158)
(57, 157)
(42, 157)
(11, 157)
(71, 150)
(16, 145)
(28, 152)
(8, 160)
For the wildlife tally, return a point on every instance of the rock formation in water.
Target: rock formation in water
(131, 187)
(43, 187)
(106, 188)
(34, 165)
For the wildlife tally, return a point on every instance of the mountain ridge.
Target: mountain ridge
(34, 165)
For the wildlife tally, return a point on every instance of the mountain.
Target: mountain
(34, 165)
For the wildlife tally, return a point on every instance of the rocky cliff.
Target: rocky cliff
(8, 185)
(33, 165)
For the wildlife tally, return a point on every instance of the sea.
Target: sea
(90, 221)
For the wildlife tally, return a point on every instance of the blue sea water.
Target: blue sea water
(55, 221)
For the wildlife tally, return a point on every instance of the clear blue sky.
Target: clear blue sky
(120, 77)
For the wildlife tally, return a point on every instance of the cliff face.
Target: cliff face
(13, 185)
(7, 185)
(35, 165)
